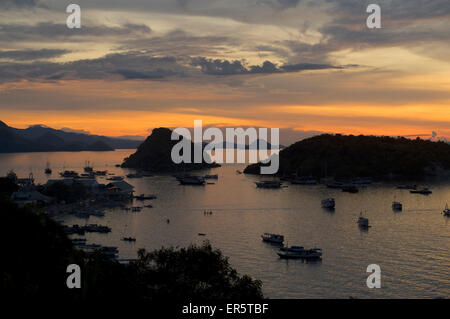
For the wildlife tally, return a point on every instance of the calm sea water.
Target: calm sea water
(411, 247)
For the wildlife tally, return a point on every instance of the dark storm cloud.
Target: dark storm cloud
(47, 31)
(136, 65)
(29, 54)
(131, 65)
(225, 67)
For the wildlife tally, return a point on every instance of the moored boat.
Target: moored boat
(397, 206)
(145, 197)
(329, 203)
(424, 191)
(48, 170)
(446, 211)
(273, 238)
(314, 253)
(350, 189)
(268, 184)
(294, 249)
(363, 222)
(69, 174)
(192, 180)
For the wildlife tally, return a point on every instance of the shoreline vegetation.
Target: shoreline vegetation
(36, 260)
(195, 272)
(347, 156)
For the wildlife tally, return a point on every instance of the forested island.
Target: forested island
(154, 155)
(346, 156)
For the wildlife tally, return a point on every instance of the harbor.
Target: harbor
(415, 237)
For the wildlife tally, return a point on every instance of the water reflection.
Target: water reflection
(412, 247)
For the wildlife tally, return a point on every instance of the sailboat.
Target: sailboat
(362, 221)
(87, 167)
(446, 211)
(48, 170)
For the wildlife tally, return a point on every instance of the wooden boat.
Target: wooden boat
(273, 238)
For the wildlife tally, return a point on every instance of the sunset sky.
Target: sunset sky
(305, 66)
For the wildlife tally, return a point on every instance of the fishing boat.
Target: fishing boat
(424, 191)
(350, 189)
(314, 253)
(329, 203)
(293, 249)
(192, 180)
(363, 222)
(145, 197)
(446, 211)
(273, 238)
(397, 206)
(128, 239)
(268, 184)
(72, 174)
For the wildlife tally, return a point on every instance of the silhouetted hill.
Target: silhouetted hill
(370, 156)
(155, 154)
(38, 138)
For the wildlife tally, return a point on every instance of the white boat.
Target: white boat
(397, 206)
(314, 253)
(329, 203)
(363, 222)
(273, 238)
(446, 211)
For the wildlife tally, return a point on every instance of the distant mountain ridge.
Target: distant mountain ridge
(380, 157)
(38, 138)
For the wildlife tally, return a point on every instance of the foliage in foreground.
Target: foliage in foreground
(37, 253)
